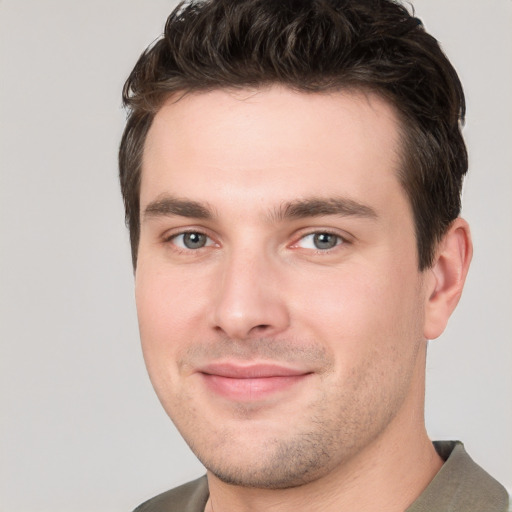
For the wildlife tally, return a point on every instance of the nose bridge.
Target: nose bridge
(249, 302)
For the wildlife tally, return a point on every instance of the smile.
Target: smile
(250, 383)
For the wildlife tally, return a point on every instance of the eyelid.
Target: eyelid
(344, 238)
(170, 235)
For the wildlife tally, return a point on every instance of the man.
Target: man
(291, 173)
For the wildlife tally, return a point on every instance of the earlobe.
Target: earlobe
(447, 277)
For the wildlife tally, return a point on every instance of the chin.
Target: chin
(266, 463)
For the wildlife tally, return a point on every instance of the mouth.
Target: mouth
(250, 382)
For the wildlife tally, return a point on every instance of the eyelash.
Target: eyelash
(168, 239)
(341, 240)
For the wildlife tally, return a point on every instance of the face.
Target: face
(280, 305)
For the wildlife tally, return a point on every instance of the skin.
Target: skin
(254, 175)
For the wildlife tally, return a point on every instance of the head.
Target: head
(291, 174)
(313, 46)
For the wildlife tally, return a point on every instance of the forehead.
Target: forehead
(272, 143)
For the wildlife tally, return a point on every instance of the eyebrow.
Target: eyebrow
(319, 207)
(169, 206)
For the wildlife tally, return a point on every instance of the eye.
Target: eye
(321, 241)
(191, 240)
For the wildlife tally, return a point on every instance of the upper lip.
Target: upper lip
(250, 371)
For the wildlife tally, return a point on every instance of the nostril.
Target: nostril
(261, 327)
(241, 312)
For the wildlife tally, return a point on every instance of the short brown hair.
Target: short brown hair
(312, 46)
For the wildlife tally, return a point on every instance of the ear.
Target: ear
(446, 277)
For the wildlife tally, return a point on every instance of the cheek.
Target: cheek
(162, 309)
(167, 314)
(169, 305)
(360, 308)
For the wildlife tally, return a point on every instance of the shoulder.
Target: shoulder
(461, 485)
(190, 497)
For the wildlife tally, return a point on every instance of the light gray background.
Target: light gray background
(81, 429)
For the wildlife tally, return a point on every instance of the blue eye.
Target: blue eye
(320, 241)
(192, 240)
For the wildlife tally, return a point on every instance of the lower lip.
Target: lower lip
(251, 389)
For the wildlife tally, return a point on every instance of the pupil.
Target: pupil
(325, 241)
(194, 240)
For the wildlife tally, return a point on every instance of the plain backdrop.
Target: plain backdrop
(81, 429)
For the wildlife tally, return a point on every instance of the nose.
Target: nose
(250, 300)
